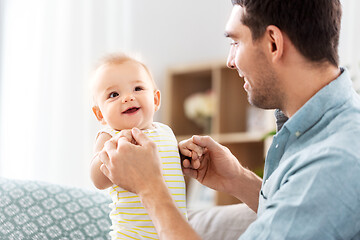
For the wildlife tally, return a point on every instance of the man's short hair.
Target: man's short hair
(313, 26)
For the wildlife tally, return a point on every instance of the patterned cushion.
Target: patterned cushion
(37, 210)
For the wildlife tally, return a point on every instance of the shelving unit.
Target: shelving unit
(230, 122)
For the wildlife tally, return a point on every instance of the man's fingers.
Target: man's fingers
(186, 163)
(197, 150)
(190, 149)
(104, 157)
(105, 170)
(140, 137)
(194, 155)
(195, 163)
(204, 141)
(110, 145)
(121, 141)
(127, 135)
(186, 152)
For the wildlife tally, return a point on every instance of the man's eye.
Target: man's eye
(113, 94)
(138, 89)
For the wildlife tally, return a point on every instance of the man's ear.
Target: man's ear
(157, 99)
(98, 114)
(275, 42)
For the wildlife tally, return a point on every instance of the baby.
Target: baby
(125, 96)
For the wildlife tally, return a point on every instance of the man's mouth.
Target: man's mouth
(131, 110)
(246, 85)
(240, 73)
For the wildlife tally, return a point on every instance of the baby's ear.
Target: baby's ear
(98, 114)
(157, 99)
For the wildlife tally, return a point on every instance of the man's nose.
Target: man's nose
(230, 63)
(128, 98)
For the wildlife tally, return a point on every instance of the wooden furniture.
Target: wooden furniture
(230, 122)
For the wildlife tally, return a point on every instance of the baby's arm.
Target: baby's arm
(99, 179)
(191, 151)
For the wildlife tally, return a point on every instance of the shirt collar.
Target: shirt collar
(330, 96)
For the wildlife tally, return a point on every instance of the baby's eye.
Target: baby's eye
(113, 94)
(138, 88)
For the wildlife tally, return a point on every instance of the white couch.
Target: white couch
(38, 211)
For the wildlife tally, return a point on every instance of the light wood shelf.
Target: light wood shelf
(230, 122)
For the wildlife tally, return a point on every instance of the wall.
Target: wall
(167, 33)
(349, 47)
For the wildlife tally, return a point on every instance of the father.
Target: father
(286, 50)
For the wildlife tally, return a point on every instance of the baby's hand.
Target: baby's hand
(127, 135)
(192, 151)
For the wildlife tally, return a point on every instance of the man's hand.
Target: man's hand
(209, 162)
(191, 153)
(135, 168)
(216, 167)
(125, 134)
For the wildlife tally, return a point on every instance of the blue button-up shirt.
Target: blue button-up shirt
(311, 185)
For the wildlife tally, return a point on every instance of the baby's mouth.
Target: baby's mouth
(131, 110)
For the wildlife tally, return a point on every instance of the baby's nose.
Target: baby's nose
(128, 98)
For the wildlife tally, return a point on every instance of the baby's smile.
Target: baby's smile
(131, 110)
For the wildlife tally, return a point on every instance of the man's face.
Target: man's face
(249, 58)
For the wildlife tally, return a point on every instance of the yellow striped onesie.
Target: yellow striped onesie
(129, 218)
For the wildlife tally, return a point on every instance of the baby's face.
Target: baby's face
(125, 96)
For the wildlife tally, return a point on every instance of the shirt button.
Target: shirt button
(297, 134)
(277, 145)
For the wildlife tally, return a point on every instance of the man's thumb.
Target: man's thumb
(204, 141)
(139, 136)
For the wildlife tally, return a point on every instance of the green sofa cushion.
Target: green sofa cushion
(38, 210)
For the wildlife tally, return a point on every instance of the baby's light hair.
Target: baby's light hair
(120, 58)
